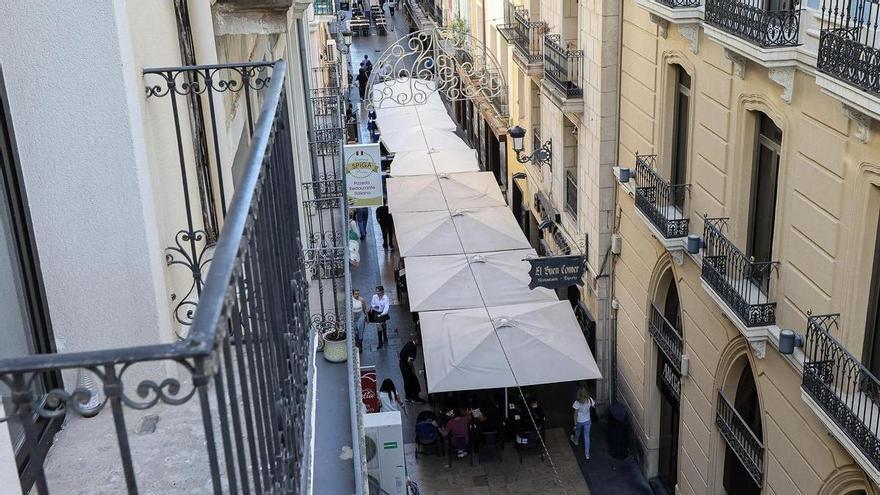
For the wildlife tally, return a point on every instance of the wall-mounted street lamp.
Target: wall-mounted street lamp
(541, 156)
(346, 42)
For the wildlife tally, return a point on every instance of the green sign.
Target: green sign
(390, 445)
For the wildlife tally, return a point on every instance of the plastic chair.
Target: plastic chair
(427, 435)
(490, 446)
(528, 440)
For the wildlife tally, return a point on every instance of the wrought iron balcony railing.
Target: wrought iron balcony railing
(751, 21)
(325, 80)
(742, 283)
(563, 67)
(242, 367)
(848, 48)
(740, 438)
(324, 7)
(845, 390)
(198, 126)
(526, 35)
(660, 201)
(571, 193)
(668, 339)
(680, 4)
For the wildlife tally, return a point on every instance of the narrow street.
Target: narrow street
(564, 469)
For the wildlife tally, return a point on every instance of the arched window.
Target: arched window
(736, 479)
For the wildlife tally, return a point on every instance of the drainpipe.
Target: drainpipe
(614, 225)
(310, 124)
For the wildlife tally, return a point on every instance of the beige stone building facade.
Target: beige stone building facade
(562, 59)
(747, 208)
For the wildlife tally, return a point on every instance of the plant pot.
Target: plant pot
(335, 351)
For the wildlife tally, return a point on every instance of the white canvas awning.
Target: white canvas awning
(443, 192)
(431, 233)
(424, 162)
(466, 350)
(472, 281)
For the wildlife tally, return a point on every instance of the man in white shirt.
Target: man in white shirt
(379, 306)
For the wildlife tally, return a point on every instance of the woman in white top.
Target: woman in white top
(582, 420)
(380, 305)
(388, 398)
(358, 316)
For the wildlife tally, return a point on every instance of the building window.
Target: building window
(736, 478)
(765, 172)
(571, 192)
(871, 352)
(680, 129)
(25, 320)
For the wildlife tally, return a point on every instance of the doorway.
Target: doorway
(669, 384)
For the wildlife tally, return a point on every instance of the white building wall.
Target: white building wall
(77, 116)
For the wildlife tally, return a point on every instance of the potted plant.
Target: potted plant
(335, 344)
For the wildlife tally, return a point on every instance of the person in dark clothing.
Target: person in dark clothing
(362, 79)
(386, 224)
(411, 385)
(367, 64)
(349, 113)
(362, 218)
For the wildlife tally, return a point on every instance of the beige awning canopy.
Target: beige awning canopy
(431, 233)
(444, 192)
(504, 346)
(463, 281)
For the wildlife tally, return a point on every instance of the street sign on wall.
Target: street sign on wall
(556, 272)
(363, 175)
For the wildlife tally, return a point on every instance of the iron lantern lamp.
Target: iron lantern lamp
(541, 156)
(346, 42)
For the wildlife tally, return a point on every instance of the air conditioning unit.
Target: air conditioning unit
(331, 51)
(386, 468)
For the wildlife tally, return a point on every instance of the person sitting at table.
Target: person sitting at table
(459, 428)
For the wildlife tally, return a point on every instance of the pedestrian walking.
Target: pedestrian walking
(379, 306)
(411, 386)
(386, 224)
(362, 217)
(391, 5)
(367, 64)
(583, 406)
(388, 399)
(362, 79)
(358, 316)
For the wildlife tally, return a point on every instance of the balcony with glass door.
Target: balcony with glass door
(739, 283)
(527, 37)
(667, 338)
(571, 193)
(849, 53)
(740, 438)
(842, 392)
(563, 74)
(763, 23)
(231, 393)
(661, 202)
(324, 7)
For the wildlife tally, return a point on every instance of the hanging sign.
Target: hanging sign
(369, 393)
(669, 380)
(363, 175)
(556, 272)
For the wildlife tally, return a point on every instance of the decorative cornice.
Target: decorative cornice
(759, 348)
(783, 76)
(662, 25)
(739, 63)
(862, 121)
(691, 32)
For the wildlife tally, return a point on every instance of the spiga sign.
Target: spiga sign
(363, 176)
